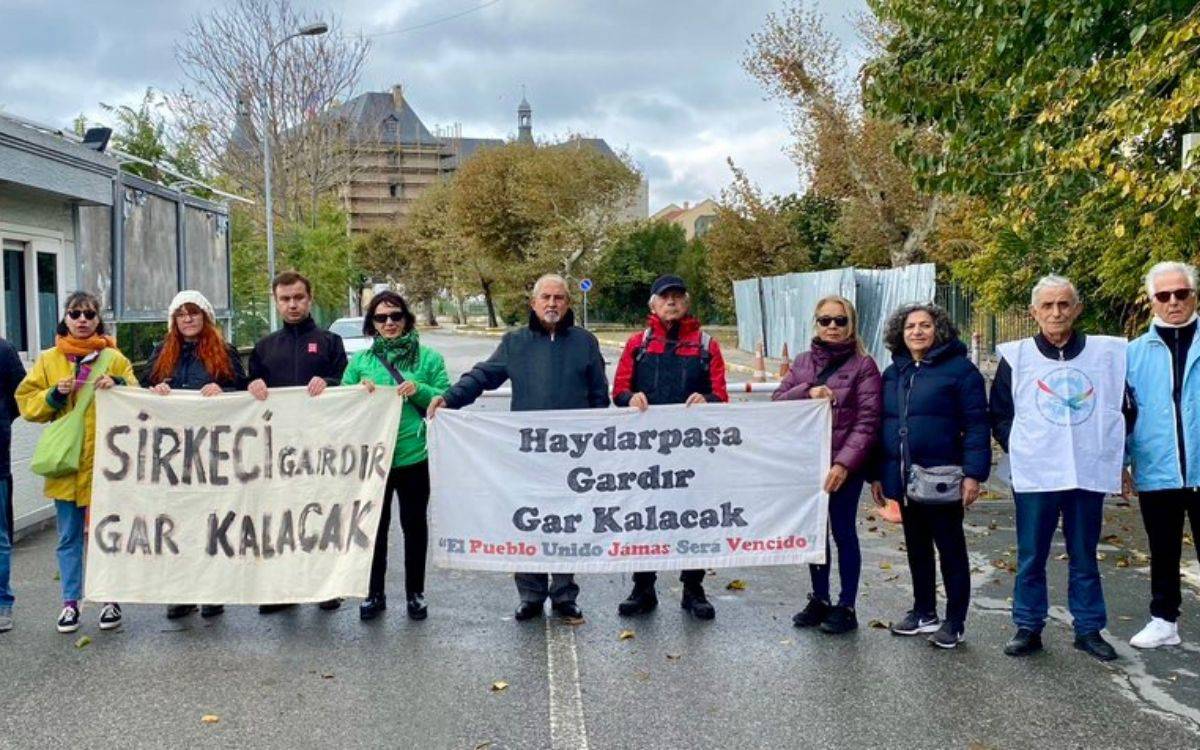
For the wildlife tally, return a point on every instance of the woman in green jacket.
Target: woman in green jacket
(396, 358)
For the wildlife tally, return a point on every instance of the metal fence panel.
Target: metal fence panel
(880, 292)
(789, 301)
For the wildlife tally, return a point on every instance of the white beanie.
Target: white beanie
(190, 296)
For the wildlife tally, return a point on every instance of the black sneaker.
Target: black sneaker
(1094, 644)
(68, 621)
(212, 610)
(813, 614)
(270, 609)
(697, 603)
(948, 635)
(329, 605)
(640, 602)
(1023, 643)
(176, 611)
(915, 624)
(372, 606)
(839, 620)
(110, 616)
(416, 607)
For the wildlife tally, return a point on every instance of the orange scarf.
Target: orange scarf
(73, 347)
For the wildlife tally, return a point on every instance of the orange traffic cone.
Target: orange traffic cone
(787, 362)
(760, 365)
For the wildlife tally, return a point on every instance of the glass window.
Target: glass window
(47, 298)
(16, 321)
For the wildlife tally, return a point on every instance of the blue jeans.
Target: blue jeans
(6, 534)
(1037, 517)
(71, 522)
(843, 512)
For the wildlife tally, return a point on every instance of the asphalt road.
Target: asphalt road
(306, 678)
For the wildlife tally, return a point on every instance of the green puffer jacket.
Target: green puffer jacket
(431, 380)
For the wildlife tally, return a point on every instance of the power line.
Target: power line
(436, 21)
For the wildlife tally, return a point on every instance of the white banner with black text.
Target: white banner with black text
(601, 490)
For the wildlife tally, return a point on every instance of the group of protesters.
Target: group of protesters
(1079, 416)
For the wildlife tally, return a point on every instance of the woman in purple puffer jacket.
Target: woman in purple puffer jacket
(838, 368)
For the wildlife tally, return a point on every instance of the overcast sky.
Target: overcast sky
(659, 78)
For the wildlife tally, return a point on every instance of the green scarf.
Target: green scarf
(401, 351)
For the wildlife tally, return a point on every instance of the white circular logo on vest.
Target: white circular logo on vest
(1066, 396)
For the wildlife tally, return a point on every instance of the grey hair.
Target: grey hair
(687, 296)
(548, 277)
(1052, 281)
(1166, 267)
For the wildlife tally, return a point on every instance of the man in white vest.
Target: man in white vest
(1164, 449)
(1057, 406)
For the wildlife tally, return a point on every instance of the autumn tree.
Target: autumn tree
(1062, 121)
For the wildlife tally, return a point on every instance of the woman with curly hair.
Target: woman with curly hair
(934, 451)
(194, 357)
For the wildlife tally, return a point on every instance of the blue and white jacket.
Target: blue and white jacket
(1163, 426)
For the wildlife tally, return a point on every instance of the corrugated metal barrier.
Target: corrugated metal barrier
(779, 309)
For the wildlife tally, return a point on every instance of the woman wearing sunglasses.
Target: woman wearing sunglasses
(396, 359)
(193, 357)
(837, 368)
(83, 356)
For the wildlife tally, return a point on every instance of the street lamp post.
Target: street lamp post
(312, 29)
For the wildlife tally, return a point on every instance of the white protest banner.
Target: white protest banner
(602, 490)
(229, 500)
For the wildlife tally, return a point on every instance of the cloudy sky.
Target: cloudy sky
(659, 78)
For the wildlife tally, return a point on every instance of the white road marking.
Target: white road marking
(567, 728)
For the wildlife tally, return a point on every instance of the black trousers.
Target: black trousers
(690, 578)
(926, 527)
(1163, 512)
(411, 483)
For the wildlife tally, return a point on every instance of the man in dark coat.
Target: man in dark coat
(12, 372)
(671, 362)
(552, 365)
(299, 354)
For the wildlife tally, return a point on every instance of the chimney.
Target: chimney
(686, 205)
(398, 96)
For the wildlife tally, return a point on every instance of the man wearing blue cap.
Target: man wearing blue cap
(671, 362)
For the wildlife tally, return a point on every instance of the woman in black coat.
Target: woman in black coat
(934, 417)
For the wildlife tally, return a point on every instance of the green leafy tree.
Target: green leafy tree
(692, 266)
(1062, 121)
(630, 264)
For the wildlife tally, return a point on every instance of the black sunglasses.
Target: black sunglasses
(395, 317)
(1179, 294)
(87, 314)
(839, 320)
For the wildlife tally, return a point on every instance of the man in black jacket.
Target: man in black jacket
(299, 354)
(12, 372)
(544, 361)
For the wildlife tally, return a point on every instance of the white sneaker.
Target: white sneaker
(1158, 632)
(6, 619)
(110, 616)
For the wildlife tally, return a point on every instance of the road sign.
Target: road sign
(585, 285)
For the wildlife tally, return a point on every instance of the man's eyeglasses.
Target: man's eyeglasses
(87, 314)
(825, 321)
(1179, 294)
(395, 317)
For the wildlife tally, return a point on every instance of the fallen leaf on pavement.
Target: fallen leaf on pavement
(483, 745)
(210, 718)
(885, 566)
(891, 578)
(327, 676)
(872, 529)
(992, 526)
(573, 621)
(83, 641)
(1122, 562)
(1063, 556)
(1113, 539)
(499, 685)
(1100, 555)
(673, 657)
(624, 635)
(736, 584)
(879, 624)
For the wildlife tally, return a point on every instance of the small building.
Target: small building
(696, 220)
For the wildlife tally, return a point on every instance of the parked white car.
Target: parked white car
(350, 329)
